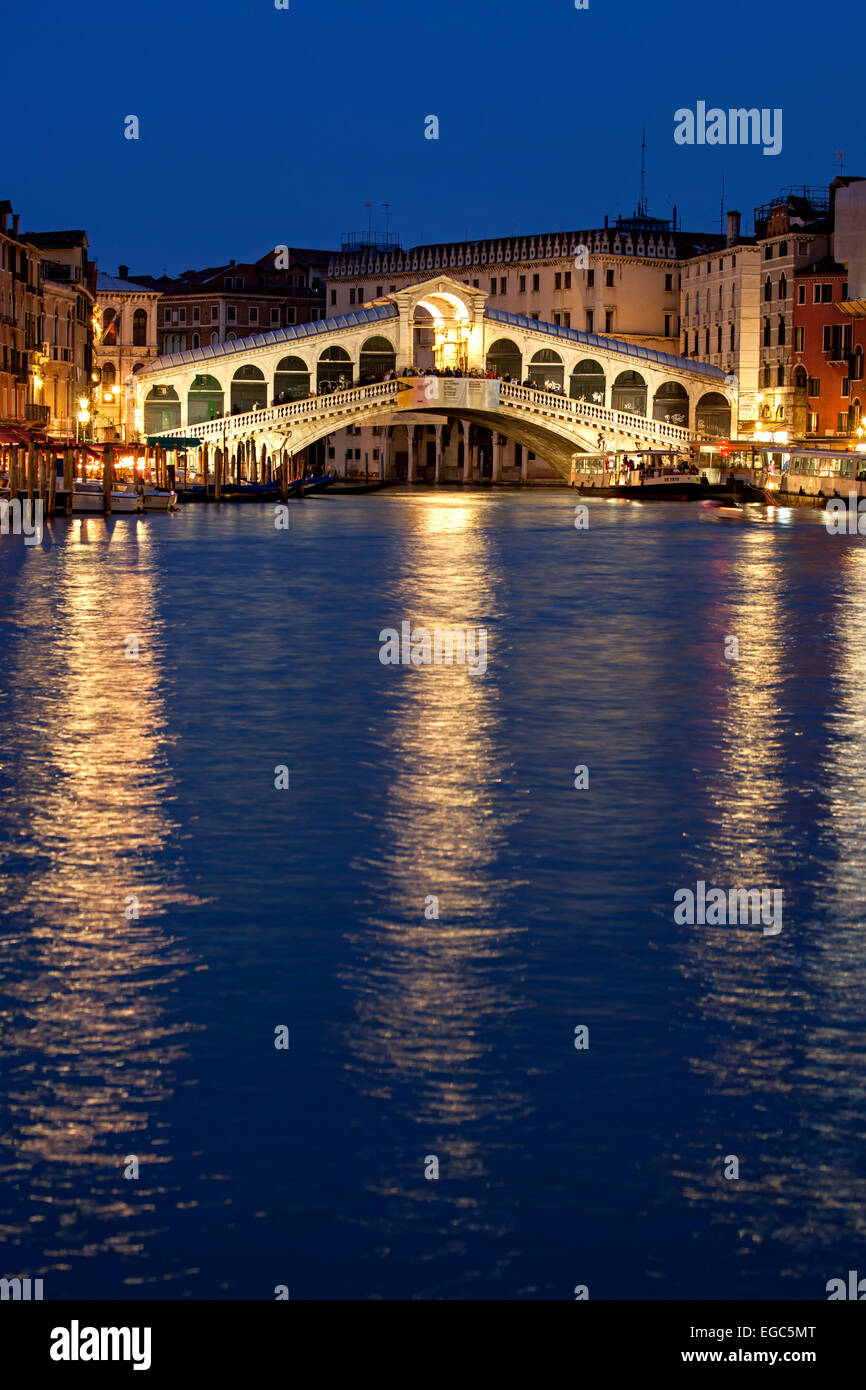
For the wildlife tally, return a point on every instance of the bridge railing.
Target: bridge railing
(272, 417)
(623, 420)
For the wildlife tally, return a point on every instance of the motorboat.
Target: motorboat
(89, 497)
(156, 499)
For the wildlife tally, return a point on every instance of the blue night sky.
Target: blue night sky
(262, 126)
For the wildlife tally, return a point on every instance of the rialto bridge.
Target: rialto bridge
(554, 390)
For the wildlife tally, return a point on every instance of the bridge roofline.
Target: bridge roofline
(595, 340)
(378, 313)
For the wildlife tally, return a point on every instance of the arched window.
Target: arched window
(546, 370)
(161, 410)
(767, 333)
(214, 339)
(587, 381)
(377, 359)
(108, 375)
(629, 393)
(857, 364)
(503, 358)
(781, 332)
(713, 416)
(801, 378)
(109, 328)
(856, 413)
(780, 374)
(334, 369)
(205, 400)
(768, 289)
(783, 286)
(139, 328)
(671, 404)
(733, 337)
(733, 296)
(687, 306)
(196, 341)
(291, 380)
(249, 390)
(719, 338)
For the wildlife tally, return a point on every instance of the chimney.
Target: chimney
(123, 271)
(16, 218)
(733, 228)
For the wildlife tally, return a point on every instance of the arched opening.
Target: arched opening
(205, 400)
(334, 369)
(713, 416)
(109, 328)
(801, 379)
(139, 328)
(248, 390)
(504, 359)
(161, 410)
(671, 404)
(546, 371)
(587, 382)
(108, 375)
(378, 358)
(629, 393)
(291, 380)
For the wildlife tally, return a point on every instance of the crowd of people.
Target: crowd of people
(344, 383)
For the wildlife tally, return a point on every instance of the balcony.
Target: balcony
(40, 414)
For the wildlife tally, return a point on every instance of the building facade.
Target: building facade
(21, 340)
(65, 356)
(127, 339)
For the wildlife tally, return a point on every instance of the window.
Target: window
(687, 306)
(669, 282)
(534, 316)
(685, 345)
(722, 264)
(799, 339)
(493, 285)
(195, 340)
(182, 318)
(556, 320)
(857, 365)
(768, 289)
(814, 387)
(568, 279)
(566, 318)
(719, 339)
(846, 387)
(781, 331)
(801, 294)
(503, 284)
(351, 296)
(816, 294)
(667, 325)
(214, 339)
(608, 320)
(557, 280)
(292, 314)
(275, 316)
(813, 423)
(783, 248)
(767, 333)
(231, 313)
(590, 279)
(707, 343)
(254, 313)
(166, 318)
(768, 253)
(828, 337)
(196, 314)
(780, 374)
(783, 286)
(589, 321)
(826, 294)
(522, 284)
(536, 283)
(139, 328)
(733, 343)
(608, 279)
(475, 285)
(842, 422)
(214, 313)
(379, 289)
(333, 296)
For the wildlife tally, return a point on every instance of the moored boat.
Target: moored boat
(88, 497)
(158, 499)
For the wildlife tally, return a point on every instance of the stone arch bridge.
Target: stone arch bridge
(555, 390)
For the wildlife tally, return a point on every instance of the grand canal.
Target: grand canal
(165, 908)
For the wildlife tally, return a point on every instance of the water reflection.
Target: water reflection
(424, 991)
(90, 1047)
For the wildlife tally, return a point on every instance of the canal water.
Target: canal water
(168, 911)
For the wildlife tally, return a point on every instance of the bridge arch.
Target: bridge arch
(713, 416)
(505, 359)
(161, 409)
(671, 404)
(546, 367)
(629, 393)
(334, 369)
(205, 399)
(587, 381)
(378, 357)
(248, 390)
(291, 380)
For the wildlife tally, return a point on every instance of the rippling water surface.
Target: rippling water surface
(165, 908)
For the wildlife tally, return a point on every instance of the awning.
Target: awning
(166, 442)
(854, 308)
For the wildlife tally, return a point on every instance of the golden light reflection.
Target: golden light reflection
(92, 1047)
(424, 990)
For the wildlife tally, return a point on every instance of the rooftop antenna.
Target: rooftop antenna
(839, 157)
(641, 212)
(387, 207)
(369, 207)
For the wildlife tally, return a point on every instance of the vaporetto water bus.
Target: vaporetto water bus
(667, 475)
(810, 477)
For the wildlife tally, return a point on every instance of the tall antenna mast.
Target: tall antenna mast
(642, 205)
(369, 207)
(722, 214)
(387, 207)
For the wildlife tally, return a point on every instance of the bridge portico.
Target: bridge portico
(553, 389)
